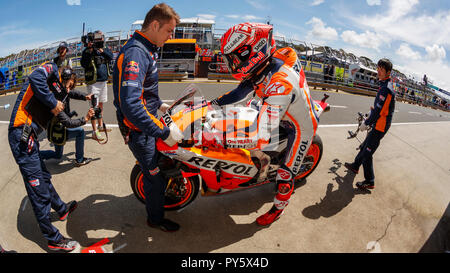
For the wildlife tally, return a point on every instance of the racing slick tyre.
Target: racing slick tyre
(180, 191)
(312, 158)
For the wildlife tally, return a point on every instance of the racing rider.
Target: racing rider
(282, 97)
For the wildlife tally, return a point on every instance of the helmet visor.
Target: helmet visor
(237, 58)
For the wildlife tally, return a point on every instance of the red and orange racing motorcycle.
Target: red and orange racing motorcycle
(190, 167)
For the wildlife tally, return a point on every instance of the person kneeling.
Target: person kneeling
(73, 127)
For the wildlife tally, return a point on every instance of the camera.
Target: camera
(97, 110)
(96, 38)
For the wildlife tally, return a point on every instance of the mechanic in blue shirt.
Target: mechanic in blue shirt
(22, 136)
(379, 120)
(136, 98)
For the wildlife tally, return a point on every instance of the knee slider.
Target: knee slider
(284, 187)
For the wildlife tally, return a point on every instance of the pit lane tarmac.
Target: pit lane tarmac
(326, 213)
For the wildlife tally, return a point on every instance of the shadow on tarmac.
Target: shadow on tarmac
(207, 224)
(439, 240)
(204, 225)
(337, 200)
(28, 226)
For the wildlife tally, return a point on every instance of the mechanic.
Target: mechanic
(281, 95)
(23, 134)
(379, 121)
(136, 98)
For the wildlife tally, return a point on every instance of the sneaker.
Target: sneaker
(350, 167)
(269, 217)
(85, 161)
(64, 245)
(166, 225)
(366, 185)
(97, 135)
(102, 129)
(71, 206)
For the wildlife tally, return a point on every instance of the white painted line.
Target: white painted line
(417, 113)
(338, 106)
(399, 123)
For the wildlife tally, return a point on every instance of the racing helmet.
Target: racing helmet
(245, 47)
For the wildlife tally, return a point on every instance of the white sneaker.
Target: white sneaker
(97, 135)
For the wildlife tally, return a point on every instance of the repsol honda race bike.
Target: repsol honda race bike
(190, 167)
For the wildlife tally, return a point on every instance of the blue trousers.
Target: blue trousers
(144, 150)
(365, 155)
(77, 133)
(41, 193)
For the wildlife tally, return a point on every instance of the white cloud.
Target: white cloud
(73, 2)
(404, 21)
(320, 31)
(437, 73)
(207, 16)
(373, 2)
(247, 17)
(406, 52)
(436, 53)
(317, 2)
(367, 39)
(257, 4)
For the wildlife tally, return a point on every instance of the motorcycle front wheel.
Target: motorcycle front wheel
(180, 191)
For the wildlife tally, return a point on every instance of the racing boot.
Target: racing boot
(281, 200)
(269, 217)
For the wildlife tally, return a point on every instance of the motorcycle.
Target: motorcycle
(191, 167)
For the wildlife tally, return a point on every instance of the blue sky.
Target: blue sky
(414, 34)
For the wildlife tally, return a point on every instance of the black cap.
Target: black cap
(62, 44)
(66, 73)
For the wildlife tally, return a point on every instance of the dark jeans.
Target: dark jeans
(144, 150)
(78, 134)
(365, 155)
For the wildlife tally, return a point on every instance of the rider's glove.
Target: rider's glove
(175, 135)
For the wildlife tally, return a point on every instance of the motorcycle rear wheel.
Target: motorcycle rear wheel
(312, 158)
(180, 191)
